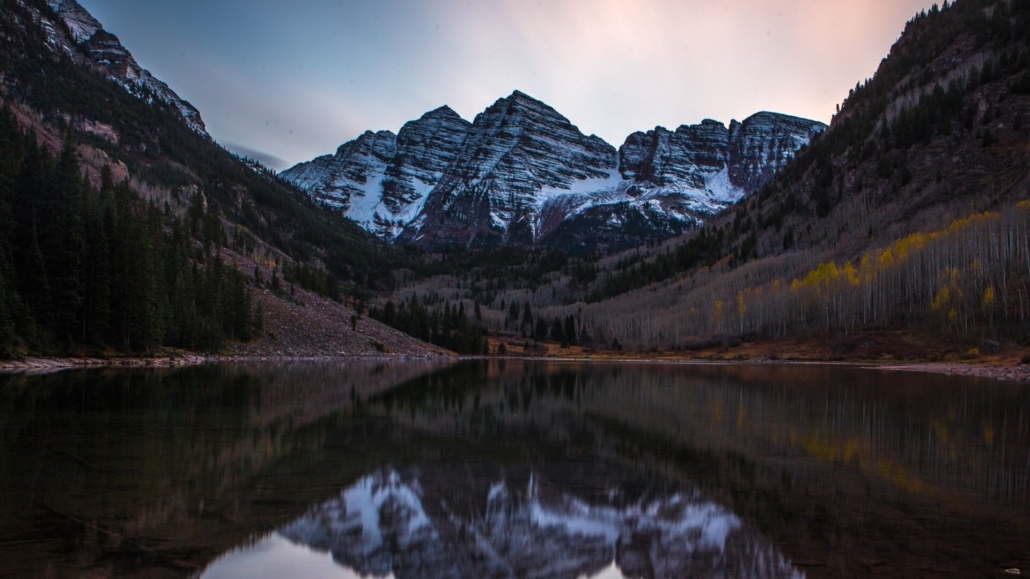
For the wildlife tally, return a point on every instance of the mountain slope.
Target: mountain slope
(50, 88)
(518, 154)
(674, 181)
(106, 54)
(241, 215)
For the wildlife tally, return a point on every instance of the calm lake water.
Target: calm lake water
(512, 469)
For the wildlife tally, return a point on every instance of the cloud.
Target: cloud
(266, 159)
(296, 83)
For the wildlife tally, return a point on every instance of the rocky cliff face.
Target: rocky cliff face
(356, 170)
(714, 163)
(381, 180)
(518, 154)
(105, 53)
(676, 179)
(762, 146)
(522, 174)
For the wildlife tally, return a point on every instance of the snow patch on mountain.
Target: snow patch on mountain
(521, 171)
(592, 187)
(381, 180)
(80, 22)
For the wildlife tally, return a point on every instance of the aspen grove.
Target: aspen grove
(971, 278)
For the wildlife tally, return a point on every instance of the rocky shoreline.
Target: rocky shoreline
(1008, 372)
(1015, 373)
(49, 365)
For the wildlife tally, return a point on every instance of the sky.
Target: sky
(288, 81)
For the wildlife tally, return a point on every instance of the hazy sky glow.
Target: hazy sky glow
(293, 80)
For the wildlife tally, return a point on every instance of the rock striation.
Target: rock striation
(676, 179)
(763, 144)
(518, 154)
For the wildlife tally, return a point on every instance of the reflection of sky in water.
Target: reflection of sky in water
(275, 557)
(384, 525)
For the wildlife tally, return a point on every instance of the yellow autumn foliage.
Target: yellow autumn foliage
(941, 300)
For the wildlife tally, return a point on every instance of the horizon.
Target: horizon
(293, 85)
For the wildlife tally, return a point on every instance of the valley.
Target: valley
(906, 218)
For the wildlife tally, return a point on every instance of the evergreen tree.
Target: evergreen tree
(7, 297)
(62, 242)
(557, 332)
(97, 267)
(570, 331)
(527, 318)
(35, 285)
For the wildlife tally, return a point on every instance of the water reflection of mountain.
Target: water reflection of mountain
(843, 470)
(387, 524)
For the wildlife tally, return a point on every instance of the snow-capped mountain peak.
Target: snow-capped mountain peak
(381, 179)
(515, 150)
(521, 173)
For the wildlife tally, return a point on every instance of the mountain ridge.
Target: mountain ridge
(525, 175)
(106, 54)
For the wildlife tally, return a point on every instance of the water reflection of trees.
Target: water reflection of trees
(147, 453)
(921, 433)
(824, 458)
(816, 457)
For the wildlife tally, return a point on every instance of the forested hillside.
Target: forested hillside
(124, 229)
(158, 148)
(94, 268)
(908, 214)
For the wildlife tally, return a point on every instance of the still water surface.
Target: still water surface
(512, 469)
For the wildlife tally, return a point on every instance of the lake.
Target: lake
(512, 468)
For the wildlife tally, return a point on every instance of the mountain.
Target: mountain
(380, 179)
(519, 154)
(899, 231)
(522, 174)
(674, 181)
(105, 53)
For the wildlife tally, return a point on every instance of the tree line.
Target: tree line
(87, 269)
(449, 327)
